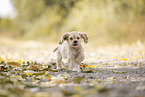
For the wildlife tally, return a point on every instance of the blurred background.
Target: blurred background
(105, 21)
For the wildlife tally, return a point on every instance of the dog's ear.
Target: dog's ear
(84, 36)
(63, 38)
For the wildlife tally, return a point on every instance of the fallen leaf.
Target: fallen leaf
(66, 67)
(13, 63)
(19, 61)
(105, 64)
(113, 82)
(90, 66)
(48, 78)
(137, 64)
(29, 72)
(124, 59)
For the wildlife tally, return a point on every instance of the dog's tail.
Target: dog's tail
(55, 49)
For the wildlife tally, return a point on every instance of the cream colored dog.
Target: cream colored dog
(71, 48)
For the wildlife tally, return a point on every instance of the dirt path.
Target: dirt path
(26, 69)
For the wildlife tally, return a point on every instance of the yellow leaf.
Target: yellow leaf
(19, 61)
(92, 66)
(97, 80)
(124, 59)
(66, 67)
(28, 73)
(113, 82)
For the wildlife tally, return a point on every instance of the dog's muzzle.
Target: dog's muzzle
(75, 44)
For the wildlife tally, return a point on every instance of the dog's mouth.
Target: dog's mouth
(75, 45)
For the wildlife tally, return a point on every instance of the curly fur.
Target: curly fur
(71, 48)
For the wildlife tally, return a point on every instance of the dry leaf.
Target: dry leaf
(13, 63)
(29, 72)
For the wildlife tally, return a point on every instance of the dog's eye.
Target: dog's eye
(71, 38)
(78, 37)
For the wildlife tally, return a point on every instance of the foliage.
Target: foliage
(104, 20)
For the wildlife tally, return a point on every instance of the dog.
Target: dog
(71, 48)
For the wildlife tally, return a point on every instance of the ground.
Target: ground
(27, 69)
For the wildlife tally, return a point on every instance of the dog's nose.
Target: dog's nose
(75, 41)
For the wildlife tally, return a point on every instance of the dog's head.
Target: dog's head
(74, 38)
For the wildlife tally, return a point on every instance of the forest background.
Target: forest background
(105, 21)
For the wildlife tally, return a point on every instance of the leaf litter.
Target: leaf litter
(33, 73)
